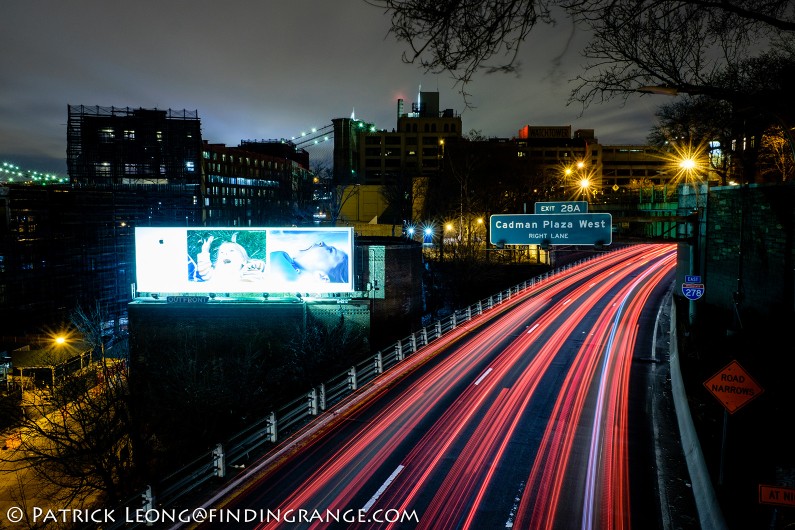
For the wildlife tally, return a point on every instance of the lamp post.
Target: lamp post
(59, 342)
(689, 168)
(447, 227)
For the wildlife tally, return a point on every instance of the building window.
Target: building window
(106, 134)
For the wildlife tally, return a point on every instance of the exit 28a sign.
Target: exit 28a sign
(562, 207)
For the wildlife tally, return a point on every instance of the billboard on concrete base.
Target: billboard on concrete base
(244, 260)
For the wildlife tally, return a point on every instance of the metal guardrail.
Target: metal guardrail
(300, 411)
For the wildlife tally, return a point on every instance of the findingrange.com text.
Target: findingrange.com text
(206, 515)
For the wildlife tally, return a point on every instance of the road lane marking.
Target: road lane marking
(383, 487)
(482, 377)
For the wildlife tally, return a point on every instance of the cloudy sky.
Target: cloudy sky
(261, 70)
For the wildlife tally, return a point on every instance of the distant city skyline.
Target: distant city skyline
(253, 71)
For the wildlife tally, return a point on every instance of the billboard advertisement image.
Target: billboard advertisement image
(244, 260)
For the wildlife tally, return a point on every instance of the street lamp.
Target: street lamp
(427, 233)
(733, 98)
(580, 178)
(688, 164)
(59, 341)
(689, 172)
(447, 227)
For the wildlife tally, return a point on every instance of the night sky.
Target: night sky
(258, 70)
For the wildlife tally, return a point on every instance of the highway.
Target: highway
(529, 416)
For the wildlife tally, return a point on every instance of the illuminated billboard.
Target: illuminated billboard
(244, 260)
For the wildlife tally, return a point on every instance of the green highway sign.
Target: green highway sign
(552, 229)
(561, 207)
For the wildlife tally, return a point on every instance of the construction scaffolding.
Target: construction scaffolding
(123, 145)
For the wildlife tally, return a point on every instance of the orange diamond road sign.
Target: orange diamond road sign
(733, 386)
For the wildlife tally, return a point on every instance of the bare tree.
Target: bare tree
(191, 387)
(680, 44)
(776, 157)
(462, 36)
(738, 53)
(319, 351)
(749, 102)
(339, 196)
(75, 435)
(90, 324)
(75, 439)
(687, 121)
(399, 196)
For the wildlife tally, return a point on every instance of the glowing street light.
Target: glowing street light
(688, 164)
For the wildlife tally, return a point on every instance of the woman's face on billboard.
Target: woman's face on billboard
(319, 257)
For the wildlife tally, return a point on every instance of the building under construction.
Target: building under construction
(122, 145)
(72, 244)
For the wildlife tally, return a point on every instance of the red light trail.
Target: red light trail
(519, 418)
